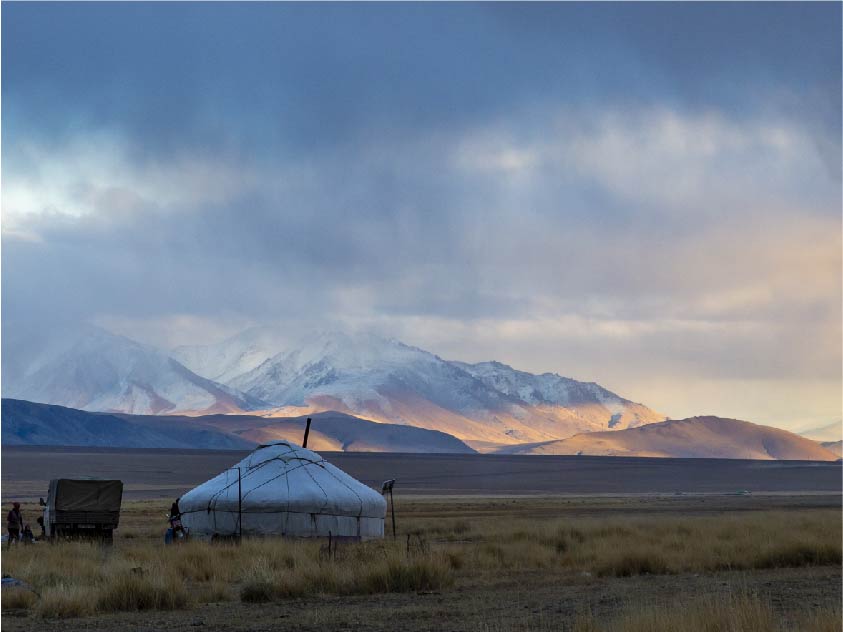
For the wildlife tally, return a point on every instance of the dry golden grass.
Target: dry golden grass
(622, 546)
(734, 613)
(79, 578)
(452, 544)
(144, 590)
(18, 599)
(64, 601)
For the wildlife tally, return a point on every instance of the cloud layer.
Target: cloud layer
(484, 181)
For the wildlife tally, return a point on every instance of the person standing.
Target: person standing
(175, 519)
(14, 523)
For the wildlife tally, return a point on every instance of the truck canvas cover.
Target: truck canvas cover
(87, 495)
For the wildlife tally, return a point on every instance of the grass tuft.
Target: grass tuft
(257, 591)
(629, 564)
(402, 575)
(128, 592)
(214, 592)
(799, 554)
(65, 602)
(258, 583)
(18, 599)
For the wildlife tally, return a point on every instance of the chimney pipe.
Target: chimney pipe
(306, 432)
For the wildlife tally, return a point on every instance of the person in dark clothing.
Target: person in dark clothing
(175, 519)
(14, 523)
(40, 522)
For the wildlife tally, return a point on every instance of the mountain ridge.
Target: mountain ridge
(387, 380)
(30, 423)
(92, 369)
(361, 374)
(695, 437)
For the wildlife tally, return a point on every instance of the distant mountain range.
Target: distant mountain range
(697, 437)
(27, 423)
(377, 378)
(255, 387)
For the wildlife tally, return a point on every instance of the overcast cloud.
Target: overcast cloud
(647, 196)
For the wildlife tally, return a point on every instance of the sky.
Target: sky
(643, 195)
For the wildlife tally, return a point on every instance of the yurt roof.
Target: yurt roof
(281, 476)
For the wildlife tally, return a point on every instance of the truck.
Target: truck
(82, 508)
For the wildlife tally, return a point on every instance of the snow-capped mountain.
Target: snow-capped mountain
(549, 390)
(361, 374)
(386, 380)
(91, 369)
(379, 379)
(232, 357)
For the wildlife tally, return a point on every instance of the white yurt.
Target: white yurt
(283, 489)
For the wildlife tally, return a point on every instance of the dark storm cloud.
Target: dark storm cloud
(306, 75)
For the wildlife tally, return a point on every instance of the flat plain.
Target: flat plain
(162, 473)
(483, 543)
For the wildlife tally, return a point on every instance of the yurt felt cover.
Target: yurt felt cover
(284, 490)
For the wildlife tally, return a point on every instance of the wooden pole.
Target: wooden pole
(239, 506)
(392, 505)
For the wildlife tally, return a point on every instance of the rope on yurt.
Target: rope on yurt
(351, 489)
(274, 478)
(324, 493)
(252, 469)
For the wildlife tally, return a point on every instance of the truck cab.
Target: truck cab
(82, 508)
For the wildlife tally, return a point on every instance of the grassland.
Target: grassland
(462, 564)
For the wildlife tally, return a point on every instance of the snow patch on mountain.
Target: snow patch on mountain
(387, 380)
(92, 369)
(359, 370)
(234, 356)
(547, 388)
